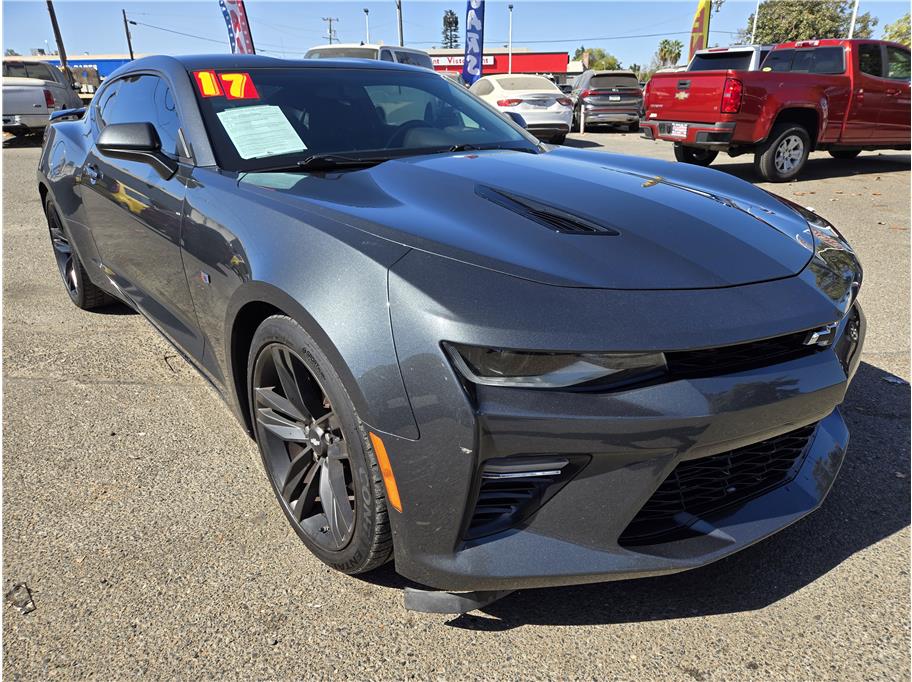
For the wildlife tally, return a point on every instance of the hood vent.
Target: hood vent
(553, 218)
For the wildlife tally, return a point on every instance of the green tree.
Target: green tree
(899, 31)
(779, 21)
(10, 52)
(450, 29)
(597, 58)
(669, 52)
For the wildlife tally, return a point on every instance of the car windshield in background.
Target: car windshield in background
(342, 53)
(721, 61)
(414, 59)
(27, 70)
(527, 83)
(268, 118)
(816, 60)
(613, 81)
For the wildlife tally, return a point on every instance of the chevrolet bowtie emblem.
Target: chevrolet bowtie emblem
(682, 94)
(823, 336)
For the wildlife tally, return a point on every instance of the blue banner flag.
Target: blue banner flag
(474, 45)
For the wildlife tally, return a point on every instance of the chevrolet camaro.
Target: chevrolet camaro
(500, 363)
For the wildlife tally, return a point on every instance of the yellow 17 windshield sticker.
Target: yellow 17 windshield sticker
(260, 131)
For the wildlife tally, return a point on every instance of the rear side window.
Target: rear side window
(721, 61)
(140, 99)
(414, 58)
(897, 63)
(823, 60)
(614, 81)
(386, 55)
(870, 59)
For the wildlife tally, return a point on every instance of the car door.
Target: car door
(868, 95)
(135, 214)
(894, 116)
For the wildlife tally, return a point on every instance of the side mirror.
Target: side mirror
(137, 142)
(517, 119)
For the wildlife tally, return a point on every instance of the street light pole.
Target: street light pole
(367, 26)
(60, 50)
(854, 16)
(127, 31)
(510, 42)
(754, 29)
(399, 15)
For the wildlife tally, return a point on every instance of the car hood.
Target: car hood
(667, 225)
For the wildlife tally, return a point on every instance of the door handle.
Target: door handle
(92, 172)
(893, 91)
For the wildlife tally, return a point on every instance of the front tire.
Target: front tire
(844, 154)
(694, 155)
(318, 458)
(82, 291)
(784, 154)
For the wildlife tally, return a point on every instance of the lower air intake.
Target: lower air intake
(513, 488)
(700, 488)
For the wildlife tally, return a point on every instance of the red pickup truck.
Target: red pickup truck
(841, 96)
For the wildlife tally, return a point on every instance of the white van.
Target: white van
(388, 53)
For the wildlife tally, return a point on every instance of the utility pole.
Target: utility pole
(399, 15)
(754, 29)
(332, 33)
(127, 31)
(367, 26)
(510, 42)
(854, 16)
(60, 50)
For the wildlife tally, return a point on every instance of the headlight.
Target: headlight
(537, 369)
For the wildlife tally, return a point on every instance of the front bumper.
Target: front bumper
(631, 439)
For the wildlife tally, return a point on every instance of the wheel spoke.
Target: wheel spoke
(283, 363)
(295, 473)
(309, 488)
(337, 450)
(269, 398)
(334, 496)
(286, 429)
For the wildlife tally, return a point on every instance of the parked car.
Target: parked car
(506, 364)
(32, 90)
(841, 96)
(387, 53)
(612, 97)
(545, 109)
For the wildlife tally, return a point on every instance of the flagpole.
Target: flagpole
(854, 15)
(754, 29)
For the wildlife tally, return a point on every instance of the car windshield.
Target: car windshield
(342, 53)
(721, 61)
(264, 118)
(527, 83)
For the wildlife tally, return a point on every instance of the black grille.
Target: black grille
(712, 361)
(699, 488)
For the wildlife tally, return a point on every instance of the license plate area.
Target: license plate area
(678, 130)
(614, 98)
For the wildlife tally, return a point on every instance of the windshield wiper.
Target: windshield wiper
(479, 147)
(324, 161)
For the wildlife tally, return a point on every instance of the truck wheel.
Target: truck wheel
(694, 155)
(844, 153)
(784, 154)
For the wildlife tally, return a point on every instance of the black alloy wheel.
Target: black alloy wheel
(306, 453)
(321, 467)
(82, 291)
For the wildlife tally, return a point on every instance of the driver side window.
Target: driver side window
(137, 99)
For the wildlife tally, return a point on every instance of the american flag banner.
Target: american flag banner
(238, 28)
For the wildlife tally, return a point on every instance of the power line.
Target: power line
(582, 40)
(210, 40)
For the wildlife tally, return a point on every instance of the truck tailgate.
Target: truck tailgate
(23, 96)
(690, 96)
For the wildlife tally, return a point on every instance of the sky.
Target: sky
(629, 30)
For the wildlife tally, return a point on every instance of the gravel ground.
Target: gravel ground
(136, 511)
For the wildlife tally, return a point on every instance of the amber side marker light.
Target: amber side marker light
(392, 490)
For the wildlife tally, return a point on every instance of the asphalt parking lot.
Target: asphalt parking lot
(136, 511)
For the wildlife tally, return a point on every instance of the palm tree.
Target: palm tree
(669, 52)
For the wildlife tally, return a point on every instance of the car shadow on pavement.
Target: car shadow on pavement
(869, 502)
(824, 168)
(26, 141)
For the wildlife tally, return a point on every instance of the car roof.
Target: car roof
(734, 48)
(199, 62)
(370, 46)
(615, 72)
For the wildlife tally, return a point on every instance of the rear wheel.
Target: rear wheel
(558, 139)
(844, 153)
(633, 127)
(78, 285)
(784, 154)
(694, 155)
(318, 459)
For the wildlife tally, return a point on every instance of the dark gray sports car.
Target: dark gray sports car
(501, 363)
